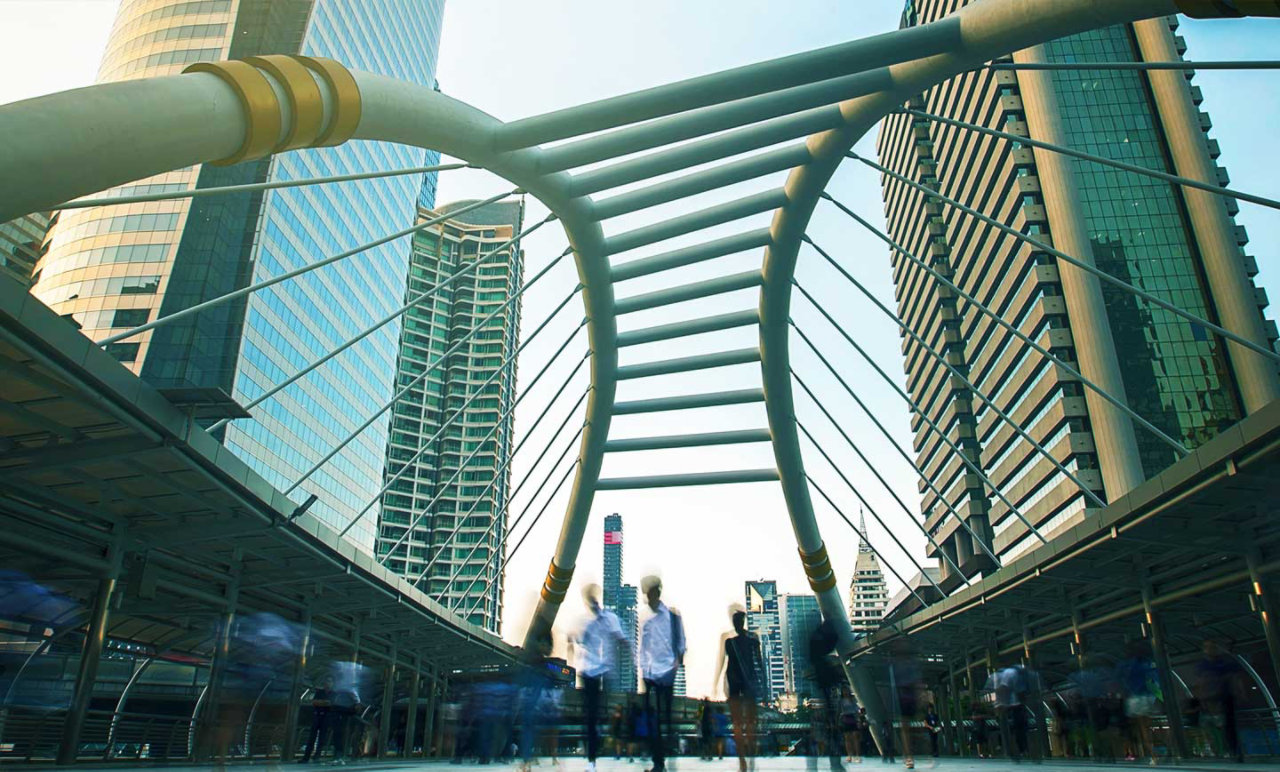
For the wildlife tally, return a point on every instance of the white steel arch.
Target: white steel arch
(71, 144)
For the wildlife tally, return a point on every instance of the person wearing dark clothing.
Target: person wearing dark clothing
(934, 725)
(743, 666)
(1218, 682)
(706, 729)
(827, 679)
(662, 646)
(321, 701)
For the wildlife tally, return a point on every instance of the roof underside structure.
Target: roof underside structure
(103, 474)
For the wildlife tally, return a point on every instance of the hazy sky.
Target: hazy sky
(514, 59)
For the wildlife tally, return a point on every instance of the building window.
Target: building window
(130, 317)
(123, 352)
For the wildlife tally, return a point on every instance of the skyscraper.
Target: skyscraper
(115, 267)
(681, 686)
(1180, 245)
(763, 620)
(451, 430)
(800, 616)
(620, 599)
(868, 592)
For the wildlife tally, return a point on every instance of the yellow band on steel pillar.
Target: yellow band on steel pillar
(1218, 9)
(265, 115)
(557, 583)
(260, 103)
(305, 100)
(817, 567)
(346, 100)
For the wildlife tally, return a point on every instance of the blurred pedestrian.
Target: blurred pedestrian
(1011, 688)
(706, 729)
(827, 677)
(321, 723)
(1138, 677)
(596, 649)
(1220, 687)
(933, 724)
(850, 729)
(618, 731)
(742, 668)
(662, 647)
(535, 680)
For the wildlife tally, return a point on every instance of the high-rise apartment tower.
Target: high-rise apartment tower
(868, 592)
(1180, 245)
(451, 430)
(115, 267)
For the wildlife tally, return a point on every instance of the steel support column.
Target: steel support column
(411, 714)
(388, 705)
(294, 698)
(1160, 655)
(87, 675)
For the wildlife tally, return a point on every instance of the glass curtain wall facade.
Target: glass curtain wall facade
(115, 267)
(451, 431)
(800, 616)
(1175, 373)
(620, 599)
(22, 242)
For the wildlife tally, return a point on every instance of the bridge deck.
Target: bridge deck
(98, 468)
(1187, 533)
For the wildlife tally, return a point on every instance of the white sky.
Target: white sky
(514, 59)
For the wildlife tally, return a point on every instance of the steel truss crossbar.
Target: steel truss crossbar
(502, 542)
(836, 468)
(1128, 167)
(999, 320)
(479, 445)
(876, 472)
(252, 288)
(1023, 433)
(253, 187)
(573, 441)
(427, 509)
(419, 300)
(443, 358)
(1101, 274)
(865, 540)
(1243, 64)
(928, 481)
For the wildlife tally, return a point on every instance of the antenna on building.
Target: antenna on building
(865, 545)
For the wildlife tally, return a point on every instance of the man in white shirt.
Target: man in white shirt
(662, 647)
(596, 648)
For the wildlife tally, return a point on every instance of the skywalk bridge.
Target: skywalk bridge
(116, 497)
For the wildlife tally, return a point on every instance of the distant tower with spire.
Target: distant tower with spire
(868, 593)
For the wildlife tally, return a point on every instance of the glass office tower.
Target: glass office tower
(1175, 374)
(113, 268)
(443, 518)
(22, 241)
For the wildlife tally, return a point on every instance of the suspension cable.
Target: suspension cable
(85, 203)
(1088, 492)
(421, 298)
(1244, 64)
(426, 509)
(479, 445)
(1101, 274)
(572, 443)
(863, 500)
(555, 492)
(1177, 446)
(369, 422)
(252, 288)
(1098, 159)
(865, 540)
(458, 526)
(947, 505)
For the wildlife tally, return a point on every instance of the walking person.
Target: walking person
(596, 649)
(321, 724)
(934, 725)
(827, 678)
(662, 647)
(742, 668)
(849, 727)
